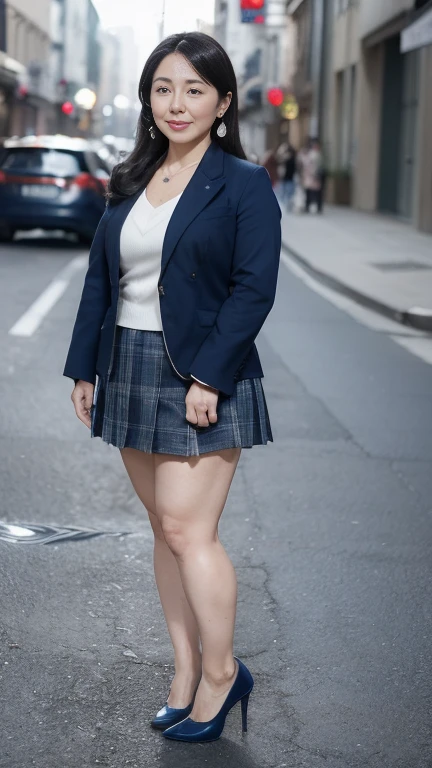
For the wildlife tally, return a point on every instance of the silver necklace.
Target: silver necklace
(168, 178)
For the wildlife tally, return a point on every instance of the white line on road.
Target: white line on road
(416, 342)
(30, 321)
(421, 347)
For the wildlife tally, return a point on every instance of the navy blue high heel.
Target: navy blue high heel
(191, 730)
(168, 716)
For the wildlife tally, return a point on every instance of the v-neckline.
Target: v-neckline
(156, 207)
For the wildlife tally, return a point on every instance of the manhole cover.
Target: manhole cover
(29, 533)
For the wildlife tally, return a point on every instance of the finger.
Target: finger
(212, 413)
(82, 411)
(88, 399)
(190, 413)
(201, 412)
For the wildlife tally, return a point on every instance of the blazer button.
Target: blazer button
(161, 290)
(193, 274)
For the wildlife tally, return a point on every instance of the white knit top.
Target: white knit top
(141, 240)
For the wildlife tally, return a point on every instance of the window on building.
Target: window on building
(341, 6)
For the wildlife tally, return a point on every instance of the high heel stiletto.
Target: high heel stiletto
(168, 716)
(192, 730)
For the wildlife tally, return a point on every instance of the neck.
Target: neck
(182, 154)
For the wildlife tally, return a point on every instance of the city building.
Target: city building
(120, 97)
(312, 80)
(393, 160)
(261, 53)
(109, 85)
(80, 67)
(363, 74)
(49, 51)
(26, 90)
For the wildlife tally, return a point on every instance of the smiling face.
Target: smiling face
(184, 106)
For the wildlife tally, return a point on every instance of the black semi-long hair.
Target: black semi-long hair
(213, 64)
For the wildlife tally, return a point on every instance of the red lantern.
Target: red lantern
(275, 96)
(67, 108)
(251, 5)
(22, 91)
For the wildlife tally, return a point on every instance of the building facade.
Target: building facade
(262, 56)
(370, 101)
(49, 49)
(126, 70)
(394, 90)
(28, 95)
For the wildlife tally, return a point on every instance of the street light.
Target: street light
(121, 102)
(85, 98)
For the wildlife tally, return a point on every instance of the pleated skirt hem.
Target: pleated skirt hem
(141, 404)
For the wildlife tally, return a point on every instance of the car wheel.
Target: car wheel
(6, 233)
(85, 239)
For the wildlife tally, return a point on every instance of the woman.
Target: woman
(312, 176)
(270, 163)
(182, 274)
(289, 177)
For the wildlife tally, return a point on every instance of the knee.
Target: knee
(156, 526)
(175, 535)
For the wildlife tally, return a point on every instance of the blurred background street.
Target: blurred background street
(329, 527)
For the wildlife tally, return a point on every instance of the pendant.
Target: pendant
(165, 179)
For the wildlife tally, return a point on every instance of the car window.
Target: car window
(53, 162)
(99, 167)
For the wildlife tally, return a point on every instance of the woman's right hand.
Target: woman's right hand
(82, 398)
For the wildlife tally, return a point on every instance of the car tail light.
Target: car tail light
(8, 178)
(87, 181)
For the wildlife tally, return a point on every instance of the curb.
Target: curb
(416, 317)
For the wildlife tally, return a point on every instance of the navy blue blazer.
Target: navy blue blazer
(217, 282)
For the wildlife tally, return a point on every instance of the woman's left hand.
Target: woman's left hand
(201, 403)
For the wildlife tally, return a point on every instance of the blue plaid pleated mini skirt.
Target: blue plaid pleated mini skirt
(141, 404)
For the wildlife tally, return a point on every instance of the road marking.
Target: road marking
(30, 321)
(414, 341)
(421, 347)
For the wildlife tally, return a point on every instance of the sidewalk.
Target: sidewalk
(378, 261)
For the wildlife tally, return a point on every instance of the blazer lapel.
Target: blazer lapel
(207, 180)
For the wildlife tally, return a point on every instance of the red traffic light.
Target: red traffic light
(275, 96)
(252, 5)
(67, 108)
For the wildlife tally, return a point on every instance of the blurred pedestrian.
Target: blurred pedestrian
(270, 163)
(312, 176)
(185, 259)
(288, 181)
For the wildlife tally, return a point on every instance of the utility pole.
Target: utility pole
(162, 23)
(317, 45)
(2, 25)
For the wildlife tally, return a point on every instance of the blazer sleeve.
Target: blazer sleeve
(254, 275)
(95, 301)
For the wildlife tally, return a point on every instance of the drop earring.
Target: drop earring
(152, 133)
(221, 131)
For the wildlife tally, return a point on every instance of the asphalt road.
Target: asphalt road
(329, 528)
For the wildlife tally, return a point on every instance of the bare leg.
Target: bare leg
(190, 494)
(181, 623)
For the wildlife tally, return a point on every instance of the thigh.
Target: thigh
(141, 470)
(191, 491)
